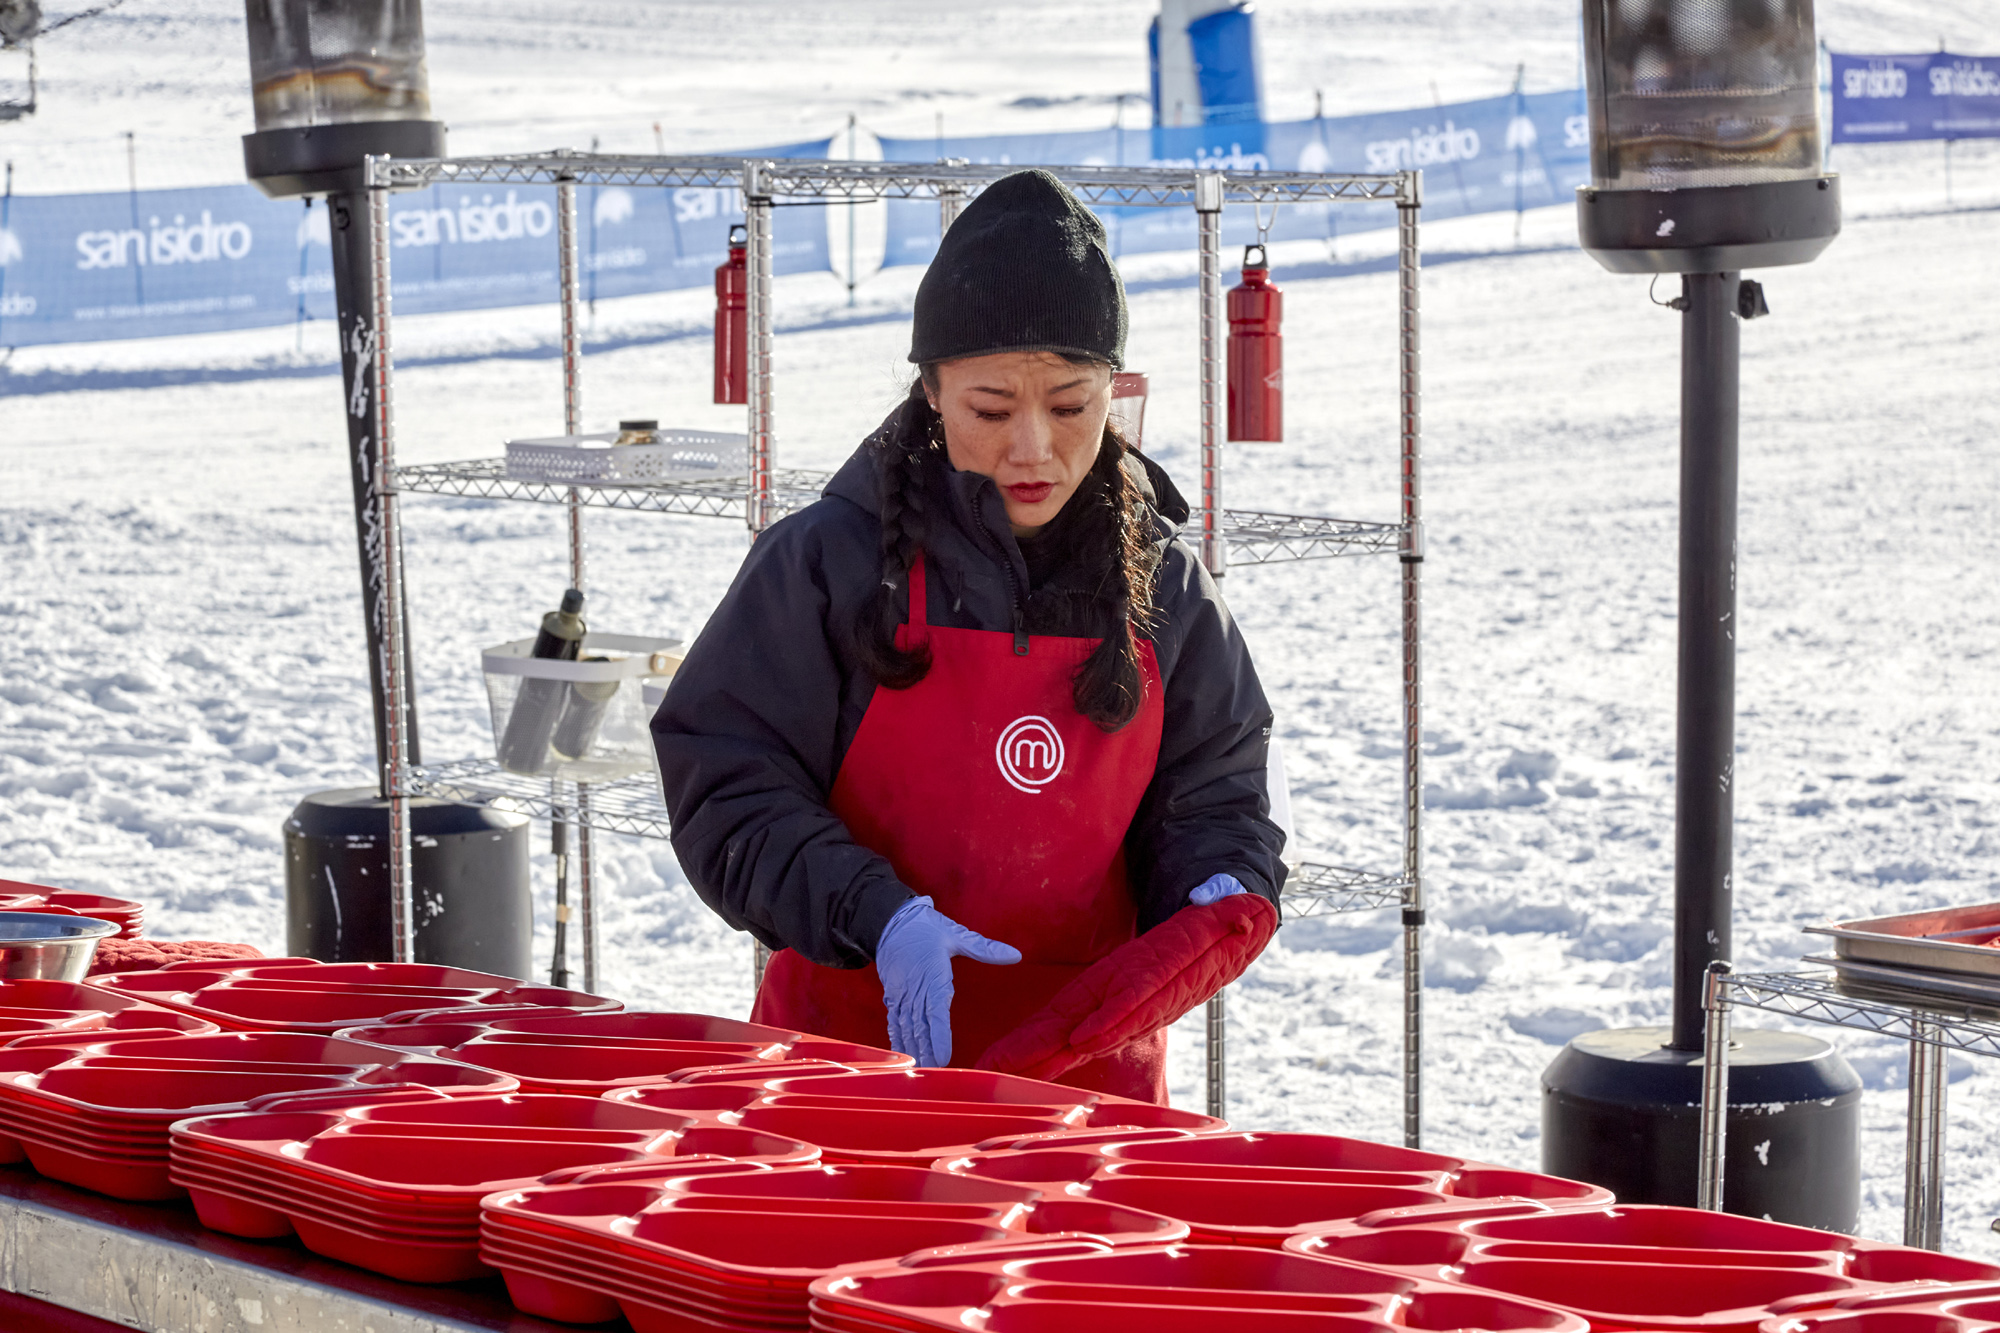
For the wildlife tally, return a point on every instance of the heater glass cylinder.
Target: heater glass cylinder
(1688, 93)
(335, 62)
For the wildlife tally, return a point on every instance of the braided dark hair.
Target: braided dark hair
(906, 445)
(1109, 687)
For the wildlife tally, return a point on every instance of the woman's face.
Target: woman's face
(1030, 420)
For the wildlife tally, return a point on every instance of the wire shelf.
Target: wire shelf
(708, 497)
(1255, 537)
(1322, 890)
(629, 805)
(805, 178)
(1258, 538)
(1817, 997)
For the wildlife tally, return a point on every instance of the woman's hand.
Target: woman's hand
(914, 961)
(1214, 889)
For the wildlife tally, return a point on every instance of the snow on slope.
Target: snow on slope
(180, 655)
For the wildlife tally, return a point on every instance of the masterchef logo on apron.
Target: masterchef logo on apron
(1030, 754)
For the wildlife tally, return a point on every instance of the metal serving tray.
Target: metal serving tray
(1907, 941)
(1943, 991)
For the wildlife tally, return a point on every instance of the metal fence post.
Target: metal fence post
(396, 685)
(1714, 1124)
(951, 198)
(1410, 389)
(1216, 1065)
(1208, 195)
(757, 372)
(1923, 1160)
(757, 217)
(569, 275)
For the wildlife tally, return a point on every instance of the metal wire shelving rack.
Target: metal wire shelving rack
(766, 492)
(1933, 1026)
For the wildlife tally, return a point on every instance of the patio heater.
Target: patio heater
(1705, 161)
(334, 81)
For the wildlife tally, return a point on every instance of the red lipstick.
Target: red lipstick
(1030, 492)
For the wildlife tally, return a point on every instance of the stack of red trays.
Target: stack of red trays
(591, 1054)
(738, 1250)
(1161, 1289)
(1639, 1266)
(126, 914)
(393, 1185)
(65, 1006)
(915, 1117)
(93, 1109)
(1972, 1307)
(301, 995)
(1262, 1189)
(129, 916)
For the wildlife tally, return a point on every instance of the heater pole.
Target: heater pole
(1705, 748)
(354, 289)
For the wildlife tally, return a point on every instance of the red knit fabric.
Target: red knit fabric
(145, 955)
(1139, 987)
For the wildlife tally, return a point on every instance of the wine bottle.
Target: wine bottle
(524, 747)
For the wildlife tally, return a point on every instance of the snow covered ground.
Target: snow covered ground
(180, 650)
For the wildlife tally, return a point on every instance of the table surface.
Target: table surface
(155, 1266)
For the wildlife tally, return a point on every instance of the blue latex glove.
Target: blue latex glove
(1214, 889)
(914, 960)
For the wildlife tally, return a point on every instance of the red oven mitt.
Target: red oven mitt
(1138, 988)
(120, 955)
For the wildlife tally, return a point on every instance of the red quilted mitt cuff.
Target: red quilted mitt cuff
(1139, 987)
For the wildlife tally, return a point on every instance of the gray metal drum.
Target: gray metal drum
(470, 889)
(1622, 1110)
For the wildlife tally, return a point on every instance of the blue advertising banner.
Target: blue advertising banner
(85, 267)
(1938, 95)
(1500, 154)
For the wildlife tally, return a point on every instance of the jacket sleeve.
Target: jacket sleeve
(748, 740)
(1208, 810)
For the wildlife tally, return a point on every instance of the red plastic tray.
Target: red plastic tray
(1641, 1267)
(897, 1119)
(746, 1245)
(590, 1054)
(94, 1109)
(300, 995)
(62, 1006)
(394, 1185)
(1261, 1189)
(1970, 1308)
(1159, 1289)
(129, 916)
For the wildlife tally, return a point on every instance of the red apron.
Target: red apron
(986, 789)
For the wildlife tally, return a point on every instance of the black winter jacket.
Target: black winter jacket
(760, 714)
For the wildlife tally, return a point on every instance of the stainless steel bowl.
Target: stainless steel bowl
(44, 947)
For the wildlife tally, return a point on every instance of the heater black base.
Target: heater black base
(471, 883)
(1621, 1111)
(1709, 229)
(326, 159)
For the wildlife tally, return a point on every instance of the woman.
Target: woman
(973, 741)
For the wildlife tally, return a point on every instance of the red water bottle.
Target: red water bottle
(1256, 353)
(732, 320)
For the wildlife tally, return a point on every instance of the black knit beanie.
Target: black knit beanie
(1024, 269)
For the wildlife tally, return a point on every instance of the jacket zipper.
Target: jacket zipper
(1013, 586)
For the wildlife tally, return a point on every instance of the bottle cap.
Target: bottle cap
(572, 602)
(648, 424)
